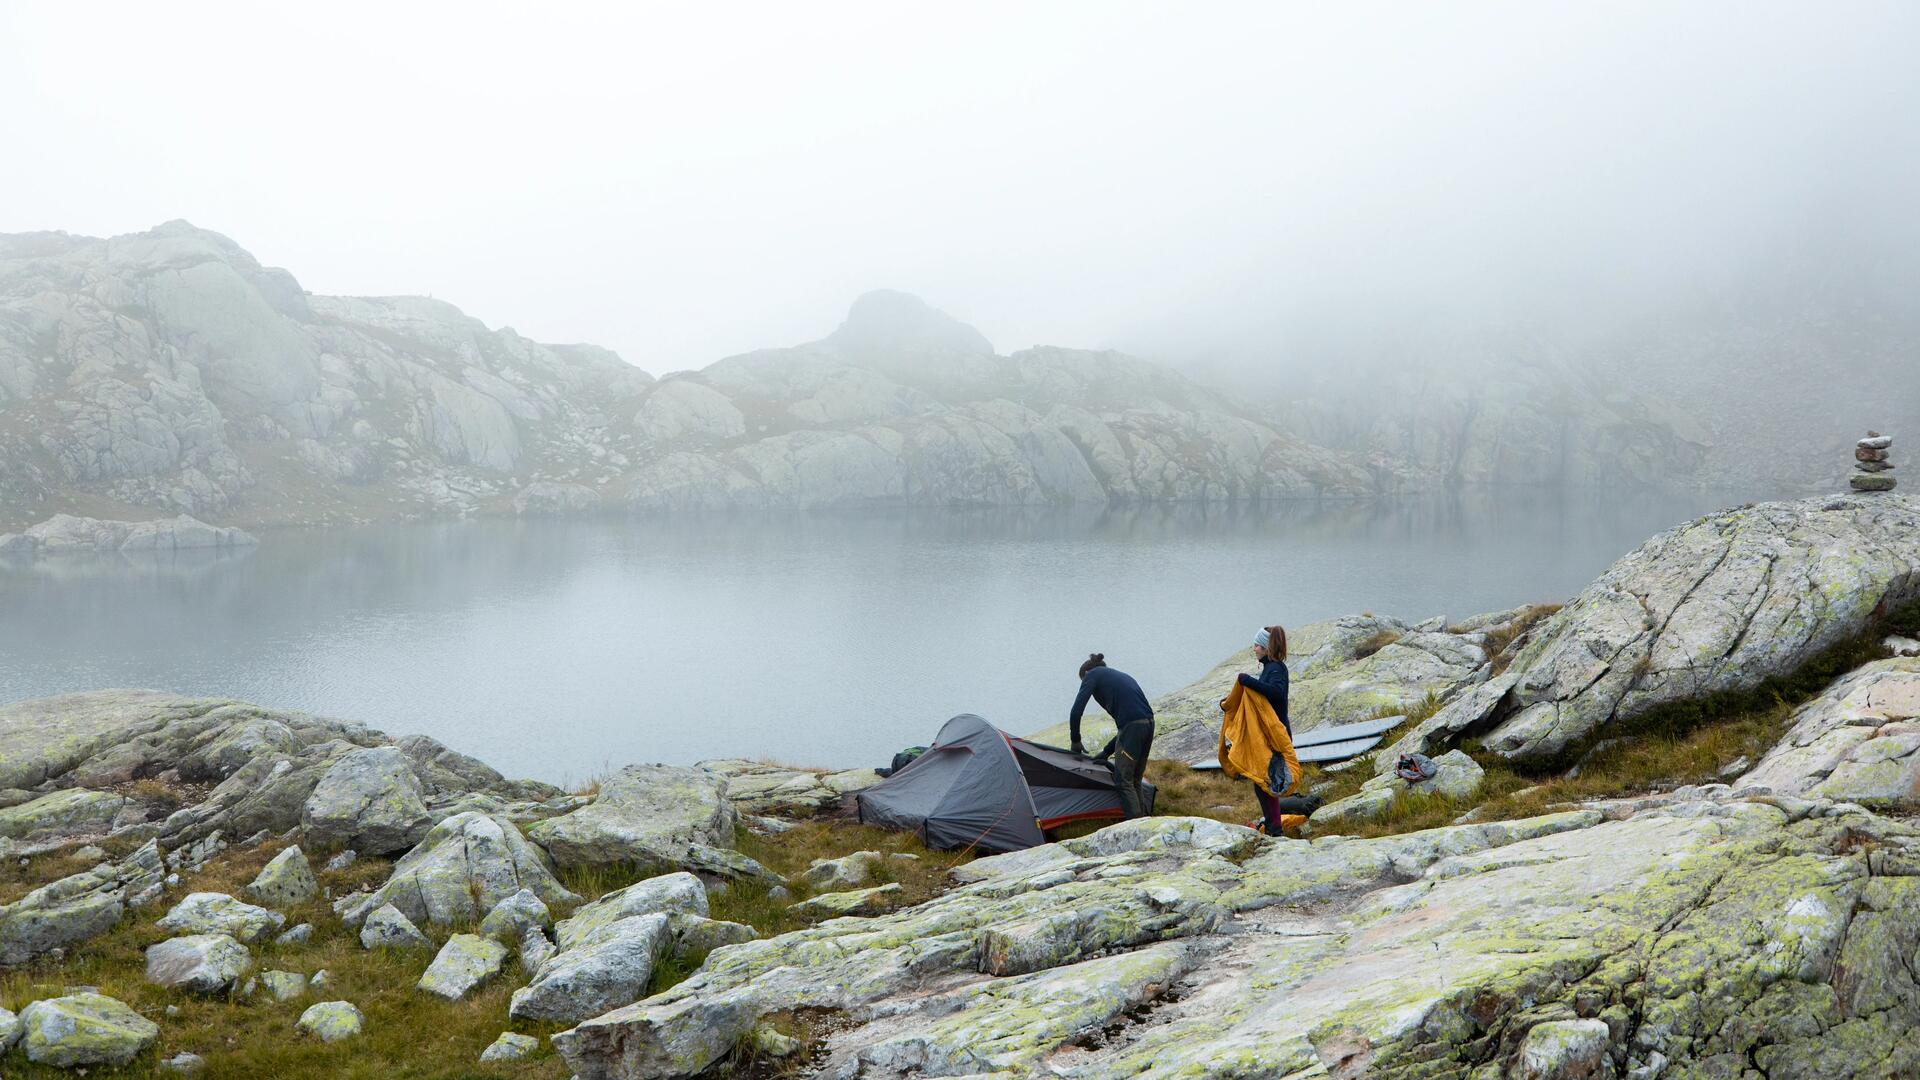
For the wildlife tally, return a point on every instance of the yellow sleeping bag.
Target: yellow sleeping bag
(1250, 734)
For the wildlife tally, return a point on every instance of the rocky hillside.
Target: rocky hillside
(168, 371)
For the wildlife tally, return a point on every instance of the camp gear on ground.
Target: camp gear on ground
(978, 787)
(1336, 742)
(1303, 805)
(1129, 750)
(1116, 692)
(901, 760)
(1414, 768)
(1251, 736)
(1272, 683)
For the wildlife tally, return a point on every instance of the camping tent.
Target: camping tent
(979, 787)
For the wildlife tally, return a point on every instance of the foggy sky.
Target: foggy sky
(689, 181)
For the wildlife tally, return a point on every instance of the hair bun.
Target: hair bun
(1100, 656)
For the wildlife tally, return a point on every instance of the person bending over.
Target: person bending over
(1120, 696)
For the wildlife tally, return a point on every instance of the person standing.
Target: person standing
(1121, 697)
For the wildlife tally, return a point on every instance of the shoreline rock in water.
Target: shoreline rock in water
(65, 534)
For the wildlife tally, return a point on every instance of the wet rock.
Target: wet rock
(387, 928)
(510, 1047)
(464, 964)
(218, 913)
(285, 881)
(331, 1021)
(84, 1030)
(460, 870)
(202, 963)
(369, 799)
(610, 969)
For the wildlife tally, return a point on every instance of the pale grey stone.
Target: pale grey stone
(202, 963)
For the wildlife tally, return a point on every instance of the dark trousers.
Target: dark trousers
(1269, 809)
(1130, 749)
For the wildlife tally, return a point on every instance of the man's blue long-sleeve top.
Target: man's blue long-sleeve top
(1116, 692)
(1271, 684)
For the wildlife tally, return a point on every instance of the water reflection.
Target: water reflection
(556, 647)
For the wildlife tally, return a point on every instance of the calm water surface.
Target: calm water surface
(556, 649)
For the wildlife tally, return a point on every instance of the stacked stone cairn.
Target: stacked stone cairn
(1873, 470)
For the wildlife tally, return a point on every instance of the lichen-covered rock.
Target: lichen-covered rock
(62, 815)
(387, 928)
(850, 902)
(513, 916)
(10, 1030)
(695, 936)
(202, 963)
(331, 1021)
(464, 964)
(84, 1030)
(608, 970)
(679, 893)
(1456, 777)
(218, 913)
(1858, 741)
(295, 935)
(847, 872)
(284, 881)
(536, 948)
(370, 800)
(1701, 928)
(1565, 1050)
(75, 908)
(756, 787)
(283, 985)
(1718, 604)
(510, 1047)
(657, 817)
(460, 870)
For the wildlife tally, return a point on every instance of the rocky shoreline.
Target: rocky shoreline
(1757, 923)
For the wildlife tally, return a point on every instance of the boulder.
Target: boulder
(1565, 1050)
(295, 935)
(84, 1030)
(464, 964)
(285, 881)
(184, 1062)
(510, 1047)
(604, 972)
(853, 902)
(1718, 604)
(461, 869)
(847, 872)
(694, 936)
(513, 917)
(659, 818)
(387, 928)
(331, 1021)
(10, 1030)
(218, 913)
(202, 963)
(75, 908)
(369, 799)
(283, 985)
(1858, 740)
(679, 893)
(536, 948)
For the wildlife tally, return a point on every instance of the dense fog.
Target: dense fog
(1229, 185)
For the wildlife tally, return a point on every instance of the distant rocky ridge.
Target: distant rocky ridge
(169, 371)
